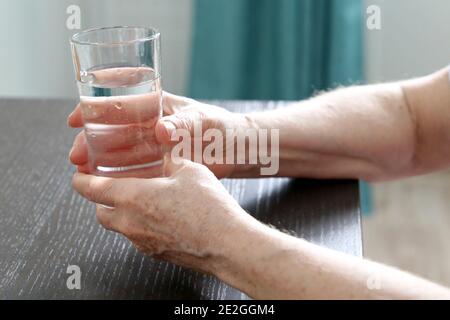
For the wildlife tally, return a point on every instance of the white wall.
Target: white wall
(414, 39)
(171, 17)
(35, 56)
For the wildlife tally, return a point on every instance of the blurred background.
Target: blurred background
(266, 49)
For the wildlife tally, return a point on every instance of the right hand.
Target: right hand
(186, 217)
(178, 113)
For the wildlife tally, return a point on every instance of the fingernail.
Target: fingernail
(170, 128)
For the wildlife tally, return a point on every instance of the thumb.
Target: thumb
(166, 126)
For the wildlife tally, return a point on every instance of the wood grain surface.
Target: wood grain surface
(45, 226)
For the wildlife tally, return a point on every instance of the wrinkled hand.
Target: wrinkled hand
(183, 217)
(179, 113)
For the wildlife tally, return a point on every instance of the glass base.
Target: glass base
(144, 170)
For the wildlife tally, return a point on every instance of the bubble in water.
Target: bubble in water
(86, 77)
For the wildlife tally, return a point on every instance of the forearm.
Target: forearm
(357, 132)
(267, 264)
(374, 132)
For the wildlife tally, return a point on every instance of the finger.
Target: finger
(84, 168)
(109, 109)
(121, 109)
(166, 126)
(79, 153)
(112, 137)
(126, 157)
(173, 103)
(145, 152)
(163, 132)
(75, 119)
(124, 76)
(109, 217)
(101, 190)
(113, 192)
(118, 220)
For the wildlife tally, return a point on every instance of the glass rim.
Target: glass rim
(155, 35)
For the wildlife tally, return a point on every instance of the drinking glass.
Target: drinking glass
(118, 73)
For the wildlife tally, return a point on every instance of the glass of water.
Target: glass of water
(118, 72)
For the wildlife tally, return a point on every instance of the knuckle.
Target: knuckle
(104, 220)
(127, 229)
(192, 169)
(105, 190)
(90, 190)
(99, 191)
(189, 166)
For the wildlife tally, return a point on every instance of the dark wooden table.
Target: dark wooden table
(45, 226)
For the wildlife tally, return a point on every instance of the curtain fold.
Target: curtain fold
(266, 49)
(276, 50)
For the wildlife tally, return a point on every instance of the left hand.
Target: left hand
(179, 113)
(185, 217)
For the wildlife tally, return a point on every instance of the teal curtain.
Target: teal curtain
(274, 49)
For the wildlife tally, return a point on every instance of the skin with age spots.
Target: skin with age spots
(375, 132)
(179, 112)
(162, 216)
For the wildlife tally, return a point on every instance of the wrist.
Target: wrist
(248, 159)
(248, 252)
(235, 260)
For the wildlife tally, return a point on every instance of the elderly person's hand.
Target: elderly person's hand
(185, 217)
(179, 113)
